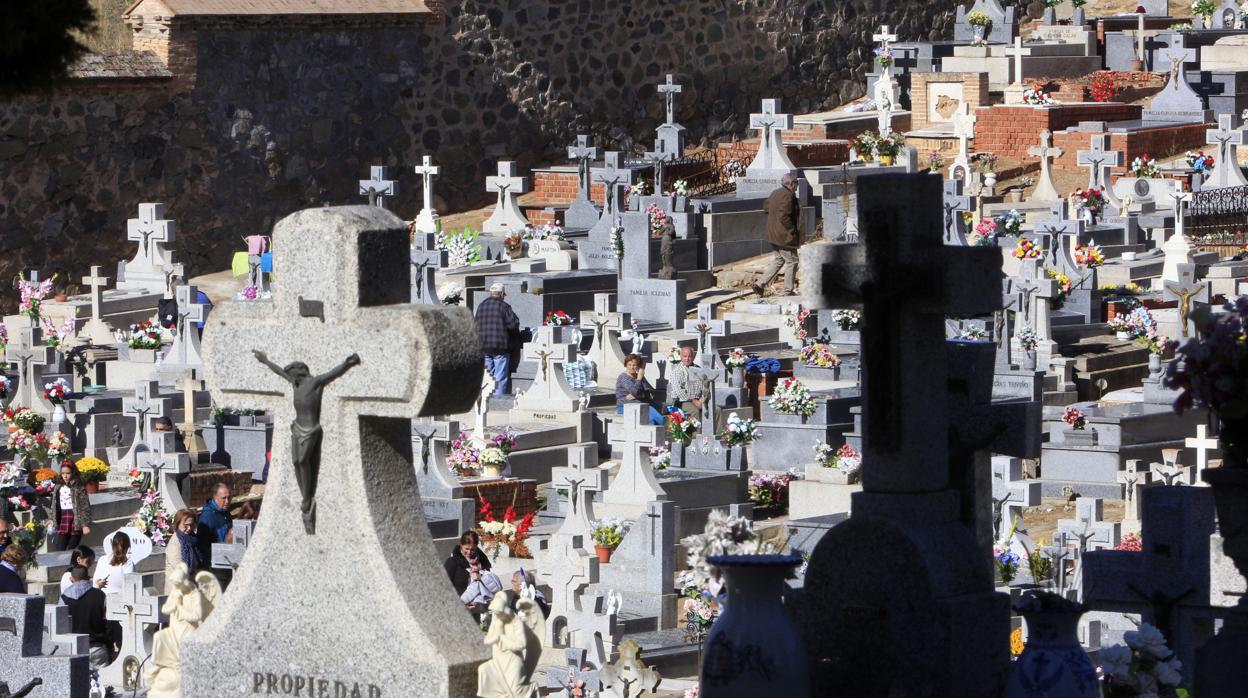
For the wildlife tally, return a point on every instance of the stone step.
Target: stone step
(45, 577)
(536, 463)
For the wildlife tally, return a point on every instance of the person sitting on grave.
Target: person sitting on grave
(631, 386)
(522, 580)
(684, 390)
(783, 212)
(113, 569)
(215, 523)
(87, 608)
(71, 506)
(466, 562)
(499, 330)
(183, 548)
(83, 556)
(13, 569)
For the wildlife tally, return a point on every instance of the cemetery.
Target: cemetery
(928, 382)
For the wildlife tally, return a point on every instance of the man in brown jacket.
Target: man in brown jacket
(783, 211)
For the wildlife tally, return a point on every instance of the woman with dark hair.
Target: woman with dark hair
(72, 507)
(466, 562)
(112, 570)
(83, 556)
(183, 547)
(631, 386)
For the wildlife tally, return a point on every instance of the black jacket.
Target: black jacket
(10, 583)
(457, 568)
(86, 615)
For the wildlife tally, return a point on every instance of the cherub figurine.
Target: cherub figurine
(188, 605)
(516, 641)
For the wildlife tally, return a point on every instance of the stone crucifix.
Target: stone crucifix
(1186, 291)
(584, 155)
(1226, 172)
(612, 175)
(770, 123)
(1045, 189)
(378, 186)
(507, 215)
(669, 90)
(427, 219)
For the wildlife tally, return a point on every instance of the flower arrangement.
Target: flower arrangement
(144, 335)
(461, 248)
(844, 459)
(981, 19)
(92, 469)
(32, 295)
(152, 518)
(1128, 289)
(504, 441)
(1143, 666)
(57, 447)
(547, 231)
(1197, 160)
(733, 170)
(863, 144)
(973, 333)
(884, 56)
(513, 244)
(25, 444)
(769, 491)
(679, 427)
(4, 337)
(492, 456)
(4, 385)
(660, 458)
(819, 355)
(1181, 27)
(134, 477)
(738, 431)
(1145, 167)
(1089, 256)
(23, 418)
(1064, 284)
(1103, 86)
(453, 294)
(935, 161)
(250, 293)
(701, 610)
(641, 188)
(508, 532)
(796, 321)
(1130, 542)
(30, 536)
(1052, 3)
(889, 145)
(736, 358)
(1036, 96)
(464, 458)
(1006, 561)
(792, 397)
(1078, 3)
(18, 503)
(609, 531)
(673, 355)
(722, 535)
(54, 336)
(1009, 223)
(1027, 249)
(557, 318)
(1016, 642)
(1211, 370)
(617, 241)
(847, 320)
(1074, 418)
(1092, 199)
(1152, 341)
(658, 220)
(985, 231)
(56, 392)
(1204, 8)
(681, 188)
(986, 162)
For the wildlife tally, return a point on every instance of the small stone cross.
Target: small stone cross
(669, 90)
(704, 326)
(96, 330)
(1099, 162)
(1045, 189)
(1226, 172)
(377, 187)
(1203, 443)
(32, 356)
(426, 219)
(612, 176)
(583, 154)
(148, 229)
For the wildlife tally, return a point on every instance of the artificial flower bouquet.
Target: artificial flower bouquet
(738, 431)
(1145, 167)
(819, 355)
(1027, 249)
(680, 427)
(144, 335)
(792, 397)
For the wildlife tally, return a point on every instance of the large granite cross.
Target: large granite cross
(149, 229)
(344, 290)
(1226, 172)
(613, 177)
(769, 124)
(606, 352)
(427, 219)
(507, 215)
(584, 154)
(669, 90)
(1190, 295)
(96, 330)
(32, 357)
(1099, 161)
(1045, 189)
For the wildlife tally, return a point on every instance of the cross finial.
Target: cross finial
(377, 186)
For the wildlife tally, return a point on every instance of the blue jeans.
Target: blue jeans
(499, 366)
(656, 419)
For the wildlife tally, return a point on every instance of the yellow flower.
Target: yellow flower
(89, 467)
(1016, 641)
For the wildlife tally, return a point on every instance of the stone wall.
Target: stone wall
(280, 119)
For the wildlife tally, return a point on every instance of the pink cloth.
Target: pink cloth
(257, 244)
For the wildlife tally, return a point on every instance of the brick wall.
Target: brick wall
(554, 188)
(974, 93)
(1157, 143)
(1009, 131)
(500, 494)
(199, 484)
(808, 154)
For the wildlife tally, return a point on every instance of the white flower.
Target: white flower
(1116, 661)
(1147, 640)
(1168, 672)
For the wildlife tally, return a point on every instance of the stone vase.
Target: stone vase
(1029, 360)
(990, 184)
(736, 377)
(1078, 18)
(1050, 16)
(754, 647)
(1154, 364)
(979, 31)
(1053, 663)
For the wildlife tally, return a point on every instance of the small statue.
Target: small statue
(629, 677)
(667, 251)
(115, 441)
(5, 692)
(515, 638)
(189, 604)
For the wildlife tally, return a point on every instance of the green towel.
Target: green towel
(239, 265)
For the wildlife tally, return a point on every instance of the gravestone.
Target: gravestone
(33, 357)
(1037, 292)
(1004, 25)
(426, 260)
(22, 660)
(932, 618)
(378, 186)
(1045, 189)
(1178, 250)
(427, 219)
(507, 215)
(137, 608)
(145, 407)
(1191, 296)
(643, 566)
(161, 467)
(549, 390)
(1099, 162)
(184, 354)
(345, 276)
(229, 556)
(1226, 170)
(670, 135)
(634, 485)
(96, 331)
(606, 352)
(964, 130)
(955, 203)
(1177, 102)
(1011, 494)
(149, 271)
(770, 161)
(582, 213)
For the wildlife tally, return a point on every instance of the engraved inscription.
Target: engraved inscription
(264, 683)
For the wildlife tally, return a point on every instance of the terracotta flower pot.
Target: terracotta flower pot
(604, 553)
(60, 298)
(93, 487)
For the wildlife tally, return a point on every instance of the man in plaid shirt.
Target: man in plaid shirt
(498, 327)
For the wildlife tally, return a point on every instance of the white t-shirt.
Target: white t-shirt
(67, 498)
(114, 575)
(66, 581)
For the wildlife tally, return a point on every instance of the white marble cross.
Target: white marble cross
(771, 157)
(634, 484)
(427, 219)
(964, 128)
(669, 90)
(1226, 172)
(32, 356)
(606, 352)
(137, 607)
(884, 36)
(550, 389)
(377, 187)
(149, 229)
(1045, 189)
(507, 215)
(185, 350)
(96, 330)
(1017, 52)
(1203, 444)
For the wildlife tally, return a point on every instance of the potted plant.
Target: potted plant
(1052, 650)
(1205, 9)
(792, 397)
(979, 22)
(1089, 202)
(886, 147)
(143, 342)
(1050, 12)
(493, 461)
(608, 533)
(863, 145)
(513, 244)
(23, 418)
(770, 492)
(679, 427)
(838, 466)
(1144, 664)
(92, 471)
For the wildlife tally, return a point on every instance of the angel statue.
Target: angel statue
(188, 605)
(515, 638)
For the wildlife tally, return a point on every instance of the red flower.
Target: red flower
(486, 513)
(510, 515)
